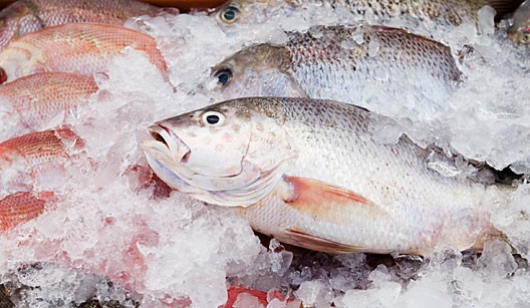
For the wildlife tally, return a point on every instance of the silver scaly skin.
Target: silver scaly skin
(353, 64)
(310, 173)
(442, 12)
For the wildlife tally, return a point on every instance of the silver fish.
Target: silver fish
(354, 64)
(310, 173)
(443, 12)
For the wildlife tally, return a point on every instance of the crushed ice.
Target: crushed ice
(180, 252)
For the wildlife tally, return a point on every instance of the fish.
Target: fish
(356, 64)
(22, 207)
(310, 173)
(42, 101)
(519, 30)
(445, 13)
(27, 158)
(25, 16)
(80, 48)
(24, 160)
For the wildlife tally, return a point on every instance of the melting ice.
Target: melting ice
(115, 239)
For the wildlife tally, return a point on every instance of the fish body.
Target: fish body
(519, 31)
(24, 161)
(356, 64)
(29, 157)
(81, 48)
(41, 101)
(445, 13)
(25, 16)
(311, 174)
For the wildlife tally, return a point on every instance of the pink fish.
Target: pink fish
(25, 16)
(42, 100)
(82, 48)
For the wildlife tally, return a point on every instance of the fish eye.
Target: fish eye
(3, 76)
(525, 36)
(213, 118)
(230, 14)
(223, 76)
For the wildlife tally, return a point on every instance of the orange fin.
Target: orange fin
(319, 244)
(309, 191)
(325, 202)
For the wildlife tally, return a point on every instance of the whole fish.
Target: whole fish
(519, 30)
(310, 173)
(25, 16)
(41, 101)
(354, 64)
(82, 48)
(443, 12)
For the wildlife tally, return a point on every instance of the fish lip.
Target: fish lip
(177, 148)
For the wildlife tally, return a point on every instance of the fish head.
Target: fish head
(244, 12)
(519, 31)
(229, 154)
(260, 70)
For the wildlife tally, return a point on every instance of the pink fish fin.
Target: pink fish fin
(320, 244)
(503, 7)
(307, 192)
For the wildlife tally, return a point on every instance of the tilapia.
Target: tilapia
(81, 48)
(519, 30)
(444, 12)
(310, 173)
(25, 16)
(356, 64)
(42, 101)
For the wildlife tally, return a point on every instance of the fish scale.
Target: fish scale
(25, 16)
(355, 64)
(82, 48)
(341, 191)
(443, 13)
(35, 101)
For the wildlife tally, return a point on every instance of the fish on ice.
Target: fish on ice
(42, 101)
(311, 174)
(81, 48)
(25, 16)
(354, 64)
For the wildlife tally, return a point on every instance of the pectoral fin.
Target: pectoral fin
(330, 203)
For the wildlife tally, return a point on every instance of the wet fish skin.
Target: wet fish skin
(25, 16)
(39, 101)
(21, 207)
(519, 31)
(452, 12)
(81, 48)
(343, 63)
(24, 159)
(309, 173)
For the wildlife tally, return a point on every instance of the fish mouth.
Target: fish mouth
(178, 150)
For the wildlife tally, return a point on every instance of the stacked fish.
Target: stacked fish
(295, 149)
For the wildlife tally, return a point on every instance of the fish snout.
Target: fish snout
(179, 151)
